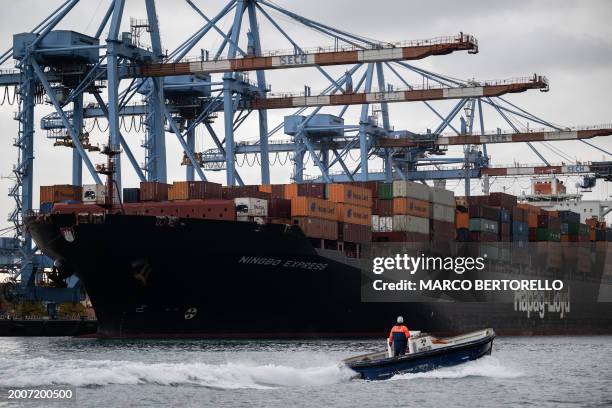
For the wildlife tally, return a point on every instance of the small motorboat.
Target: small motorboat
(426, 353)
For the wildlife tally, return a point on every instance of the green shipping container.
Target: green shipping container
(573, 228)
(385, 191)
(584, 229)
(544, 234)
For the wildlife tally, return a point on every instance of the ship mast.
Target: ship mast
(108, 170)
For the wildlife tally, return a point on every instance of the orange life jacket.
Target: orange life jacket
(397, 330)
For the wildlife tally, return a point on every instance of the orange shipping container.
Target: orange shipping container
(172, 193)
(290, 191)
(180, 191)
(353, 214)
(410, 206)
(313, 207)
(462, 219)
(349, 194)
(532, 220)
(57, 193)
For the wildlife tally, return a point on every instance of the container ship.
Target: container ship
(199, 260)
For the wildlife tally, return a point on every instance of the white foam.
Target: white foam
(231, 375)
(485, 367)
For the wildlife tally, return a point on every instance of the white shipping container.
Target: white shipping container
(411, 189)
(441, 196)
(376, 223)
(444, 213)
(250, 206)
(94, 193)
(386, 224)
(410, 223)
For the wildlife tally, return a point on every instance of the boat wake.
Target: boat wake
(87, 373)
(484, 367)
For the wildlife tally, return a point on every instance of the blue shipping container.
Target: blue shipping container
(46, 208)
(520, 229)
(504, 215)
(131, 195)
(569, 217)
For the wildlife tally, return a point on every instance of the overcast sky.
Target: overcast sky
(568, 41)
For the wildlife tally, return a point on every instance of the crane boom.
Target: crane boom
(412, 50)
(495, 88)
(541, 136)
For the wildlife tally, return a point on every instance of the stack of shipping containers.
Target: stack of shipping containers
(354, 206)
(317, 217)
(411, 211)
(382, 212)
(50, 195)
(345, 216)
(442, 223)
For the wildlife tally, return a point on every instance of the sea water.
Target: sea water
(522, 371)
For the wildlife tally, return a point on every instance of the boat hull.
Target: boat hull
(425, 361)
(151, 277)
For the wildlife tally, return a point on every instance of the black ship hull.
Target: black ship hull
(186, 278)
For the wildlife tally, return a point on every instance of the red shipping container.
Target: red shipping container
(546, 220)
(231, 192)
(484, 211)
(533, 234)
(354, 233)
(316, 190)
(204, 189)
(279, 208)
(317, 228)
(504, 229)
(502, 200)
(383, 207)
(153, 191)
(442, 229)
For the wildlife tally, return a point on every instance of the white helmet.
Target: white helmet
(400, 320)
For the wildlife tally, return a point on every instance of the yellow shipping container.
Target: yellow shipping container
(314, 207)
(354, 214)
(349, 194)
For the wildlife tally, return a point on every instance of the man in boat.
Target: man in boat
(398, 337)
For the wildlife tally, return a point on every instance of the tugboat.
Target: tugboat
(426, 353)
